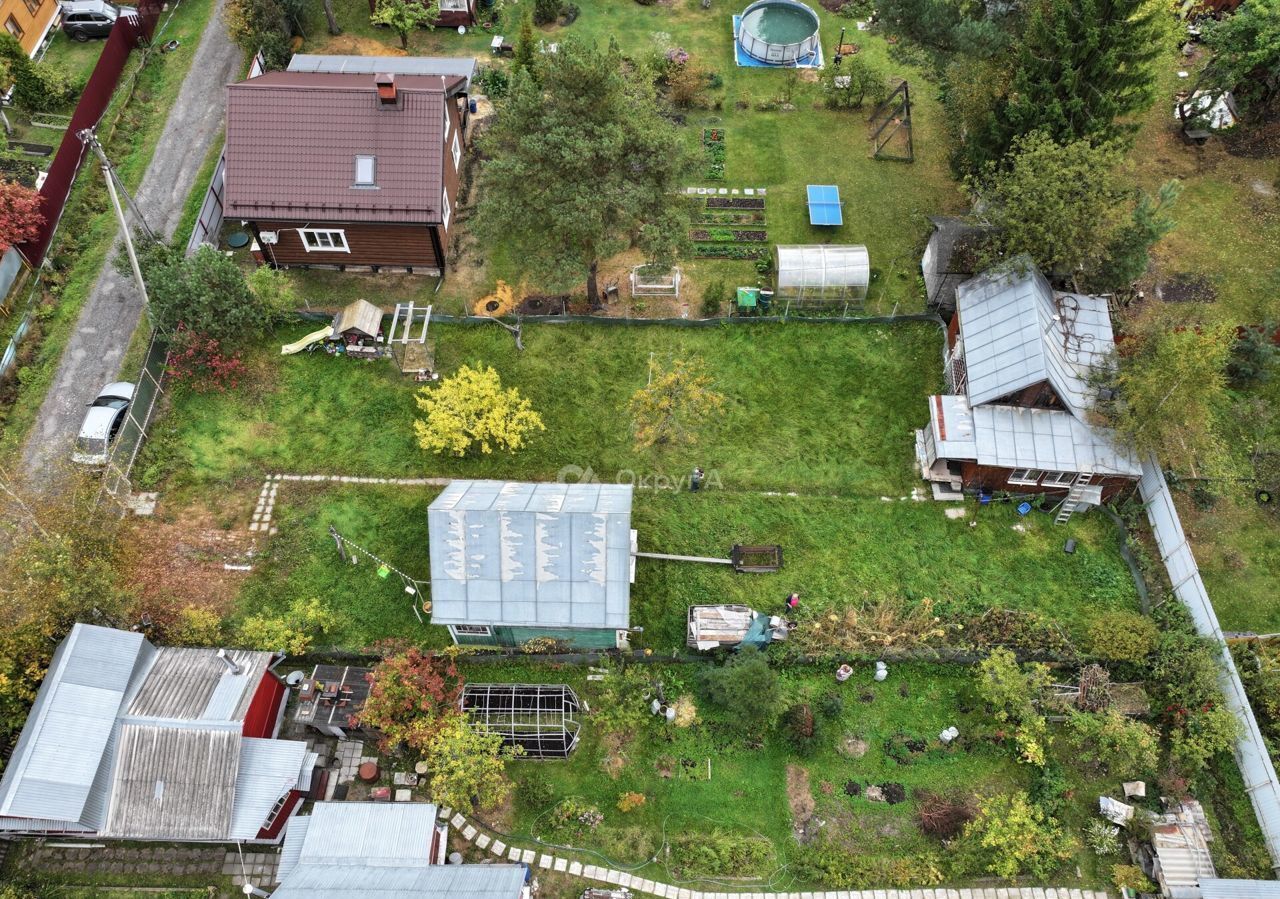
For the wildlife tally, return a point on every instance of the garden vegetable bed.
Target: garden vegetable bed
(726, 235)
(713, 143)
(735, 202)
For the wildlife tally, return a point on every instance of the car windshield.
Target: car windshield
(92, 445)
(112, 402)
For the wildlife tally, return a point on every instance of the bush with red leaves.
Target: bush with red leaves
(201, 363)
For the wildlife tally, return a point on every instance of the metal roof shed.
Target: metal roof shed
(822, 274)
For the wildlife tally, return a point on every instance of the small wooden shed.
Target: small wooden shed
(359, 324)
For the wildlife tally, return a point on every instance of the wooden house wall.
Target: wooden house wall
(370, 244)
(989, 477)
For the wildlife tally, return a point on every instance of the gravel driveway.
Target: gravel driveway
(111, 313)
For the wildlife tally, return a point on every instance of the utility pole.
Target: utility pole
(90, 140)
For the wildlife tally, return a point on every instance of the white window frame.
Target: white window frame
(445, 210)
(457, 152)
(471, 630)
(454, 5)
(446, 120)
(1059, 478)
(373, 171)
(336, 238)
(1028, 476)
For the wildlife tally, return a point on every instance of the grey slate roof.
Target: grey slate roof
(1015, 437)
(540, 555)
(376, 65)
(174, 783)
(1016, 333)
(186, 684)
(337, 881)
(127, 740)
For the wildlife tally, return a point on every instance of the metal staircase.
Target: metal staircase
(1069, 504)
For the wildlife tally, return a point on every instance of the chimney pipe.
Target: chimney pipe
(386, 89)
(228, 661)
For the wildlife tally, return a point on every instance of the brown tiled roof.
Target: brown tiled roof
(293, 137)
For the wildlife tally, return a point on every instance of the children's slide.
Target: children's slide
(299, 345)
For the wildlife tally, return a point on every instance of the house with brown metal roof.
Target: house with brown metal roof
(346, 171)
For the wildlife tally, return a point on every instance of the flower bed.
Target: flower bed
(713, 143)
(704, 217)
(735, 202)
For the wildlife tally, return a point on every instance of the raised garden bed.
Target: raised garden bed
(727, 251)
(713, 143)
(735, 202)
(704, 217)
(728, 235)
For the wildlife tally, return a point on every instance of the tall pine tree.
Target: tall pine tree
(1080, 68)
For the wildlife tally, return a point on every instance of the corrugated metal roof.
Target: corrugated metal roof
(1017, 437)
(267, 770)
(186, 684)
(295, 835)
(53, 768)
(1182, 857)
(435, 882)
(1222, 888)
(1016, 332)
(129, 741)
(373, 834)
(174, 783)
(293, 139)
(556, 555)
(464, 66)
(821, 266)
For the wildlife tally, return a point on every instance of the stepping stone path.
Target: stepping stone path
(472, 833)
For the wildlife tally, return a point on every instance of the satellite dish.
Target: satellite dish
(295, 678)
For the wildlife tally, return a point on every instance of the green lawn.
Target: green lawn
(839, 554)
(810, 407)
(885, 203)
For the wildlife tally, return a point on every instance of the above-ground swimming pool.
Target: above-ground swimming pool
(778, 32)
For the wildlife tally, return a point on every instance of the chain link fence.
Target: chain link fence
(117, 487)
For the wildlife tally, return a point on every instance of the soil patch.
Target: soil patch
(893, 792)
(354, 45)
(800, 799)
(1188, 289)
(182, 561)
(1260, 142)
(615, 755)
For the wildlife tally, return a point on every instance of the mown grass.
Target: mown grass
(89, 226)
(838, 553)
(886, 203)
(810, 407)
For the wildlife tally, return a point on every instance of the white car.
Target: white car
(102, 424)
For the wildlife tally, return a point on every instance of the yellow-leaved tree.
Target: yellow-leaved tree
(470, 409)
(676, 403)
(468, 766)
